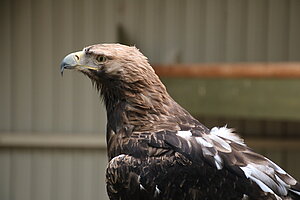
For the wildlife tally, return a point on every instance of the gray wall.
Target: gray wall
(36, 100)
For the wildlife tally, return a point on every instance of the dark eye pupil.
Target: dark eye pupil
(101, 58)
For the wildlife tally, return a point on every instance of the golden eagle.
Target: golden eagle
(157, 150)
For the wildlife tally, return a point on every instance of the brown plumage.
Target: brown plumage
(157, 150)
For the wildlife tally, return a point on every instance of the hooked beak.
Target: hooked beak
(71, 61)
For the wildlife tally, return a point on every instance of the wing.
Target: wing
(194, 163)
(225, 151)
(166, 177)
(129, 177)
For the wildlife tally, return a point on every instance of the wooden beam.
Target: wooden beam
(97, 141)
(274, 99)
(230, 70)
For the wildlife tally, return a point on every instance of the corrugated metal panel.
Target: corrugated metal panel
(21, 67)
(35, 35)
(236, 31)
(5, 171)
(42, 66)
(294, 18)
(5, 75)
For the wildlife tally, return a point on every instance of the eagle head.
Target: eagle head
(127, 84)
(119, 72)
(110, 62)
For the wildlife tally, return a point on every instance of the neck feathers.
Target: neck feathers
(142, 106)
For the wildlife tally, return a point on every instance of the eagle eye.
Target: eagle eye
(101, 59)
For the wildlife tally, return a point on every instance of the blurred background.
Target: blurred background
(52, 129)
